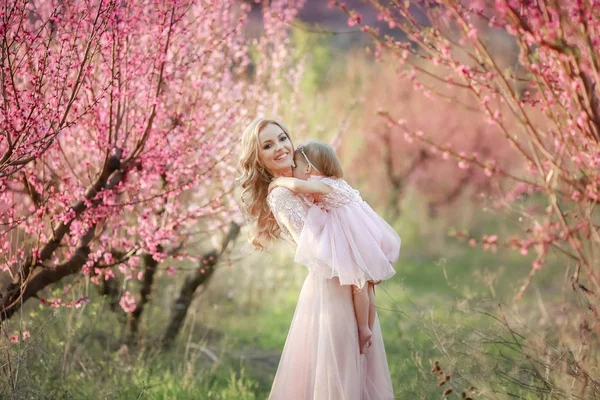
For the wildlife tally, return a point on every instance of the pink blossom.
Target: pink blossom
(511, 30)
(558, 144)
(14, 339)
(354, 18)
(109, 274)
(463, 69)
(127, 302)
(472, 32)
(26, 335)
(592, 192)
(80, 302)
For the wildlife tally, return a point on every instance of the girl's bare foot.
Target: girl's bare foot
(365, 337)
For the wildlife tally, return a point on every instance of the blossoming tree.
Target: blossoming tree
(120, 124)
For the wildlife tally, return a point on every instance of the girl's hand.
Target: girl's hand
(273, 184)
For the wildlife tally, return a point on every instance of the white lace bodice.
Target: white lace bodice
(290, 211)
(341, 195)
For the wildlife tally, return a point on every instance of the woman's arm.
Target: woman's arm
(287, 222)
(301, 186)
(289, 211)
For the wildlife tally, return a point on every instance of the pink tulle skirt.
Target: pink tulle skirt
(321, 358)
(351, 243)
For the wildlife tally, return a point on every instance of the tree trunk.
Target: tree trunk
(133, 322)
(32, 275)
(43, 277)
(110, 290)
(201, 276)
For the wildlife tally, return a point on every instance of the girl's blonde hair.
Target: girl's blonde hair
(255, 180)
(322, 157)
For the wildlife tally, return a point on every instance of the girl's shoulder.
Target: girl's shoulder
(330, 181)
(342, 192)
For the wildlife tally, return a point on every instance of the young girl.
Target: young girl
(342, 236)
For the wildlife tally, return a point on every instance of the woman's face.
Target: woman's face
(276, 151)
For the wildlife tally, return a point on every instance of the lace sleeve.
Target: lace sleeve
(289, 210)
(341, 194)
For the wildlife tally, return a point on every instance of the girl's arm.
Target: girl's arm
(300, 186)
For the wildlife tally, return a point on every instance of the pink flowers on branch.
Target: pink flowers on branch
(547, 109)
(120, 122)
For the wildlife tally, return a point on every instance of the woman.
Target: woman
(321, 357)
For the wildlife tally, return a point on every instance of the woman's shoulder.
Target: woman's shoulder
(280, 196)
(279, 191)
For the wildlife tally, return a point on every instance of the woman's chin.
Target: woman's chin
(285, 163)
(283, 168)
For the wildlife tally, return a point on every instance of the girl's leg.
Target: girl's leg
(372, 308)
(360, 298)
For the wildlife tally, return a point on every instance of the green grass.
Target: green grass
(233, 336)
(424, 312)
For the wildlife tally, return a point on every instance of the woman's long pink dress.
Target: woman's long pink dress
(321, 358)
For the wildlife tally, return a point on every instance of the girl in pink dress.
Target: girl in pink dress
(342, 236)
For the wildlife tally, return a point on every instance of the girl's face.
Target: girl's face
(275, 151)
(303, 169)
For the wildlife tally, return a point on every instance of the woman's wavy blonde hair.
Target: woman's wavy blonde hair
(255, 180)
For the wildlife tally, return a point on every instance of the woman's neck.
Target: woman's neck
(288, 173)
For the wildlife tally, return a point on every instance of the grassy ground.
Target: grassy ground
(230, 345)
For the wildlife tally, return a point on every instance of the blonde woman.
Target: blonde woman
(321, 358)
